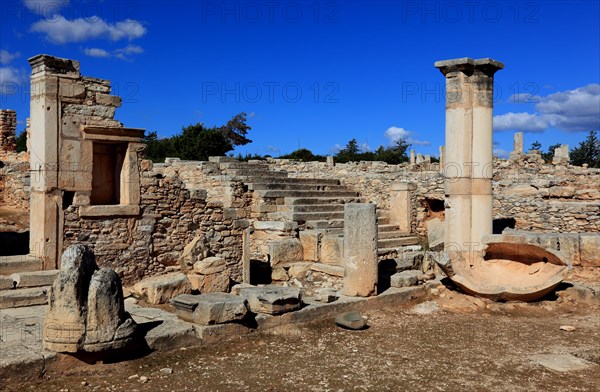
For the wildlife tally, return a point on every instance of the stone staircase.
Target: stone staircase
(22, 282)
(314, 204)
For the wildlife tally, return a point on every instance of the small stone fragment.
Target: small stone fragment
(351, 320)
(567, 328)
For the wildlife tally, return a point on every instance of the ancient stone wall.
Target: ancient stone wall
(8, 128)
(14, 185)
(178, 203)
(540, 197)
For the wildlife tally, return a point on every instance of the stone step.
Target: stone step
(24, 297)
(386, 227)
(256, 173)
(382, 235)
(316, 216)
(383, 220)
(325, 224)
(304, 194)
(331, 207)
(397, 242)
(296, 187)
(13, 264)
(290, 180)
(34, 279)
(243, 166)
(322, 200)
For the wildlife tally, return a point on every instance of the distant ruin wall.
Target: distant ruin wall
(15, 185)
(8, 131)
(540, 197)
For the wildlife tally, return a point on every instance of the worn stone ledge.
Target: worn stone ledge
(116, 210)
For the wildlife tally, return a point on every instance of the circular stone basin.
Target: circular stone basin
(508, 272)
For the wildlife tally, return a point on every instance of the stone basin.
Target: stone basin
(506, 272)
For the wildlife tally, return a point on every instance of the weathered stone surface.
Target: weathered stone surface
(351, 320)
(435, 233)
(6, 283)
(271, 299)
(208, 309)
(360, 250)
(332, 249)
(589, 245)
(160, 289)
(310, 244)
(210, 265)
(213, 283)
(64, 327)
(562, 191)
(86, 310)
(326, 295)
(405, 278)
(279, 274)
(284, 251)
(108, 326)
(196, 250)
(34, 279)
(562, 362)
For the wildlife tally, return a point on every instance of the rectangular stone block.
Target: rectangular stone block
(310, 240)
(360, 250)
(331, 249)
(589, 245)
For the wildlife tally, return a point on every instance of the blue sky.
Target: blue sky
(315, 74)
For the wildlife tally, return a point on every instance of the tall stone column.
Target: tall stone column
(46, 198)
(360, 250)
(468, 158)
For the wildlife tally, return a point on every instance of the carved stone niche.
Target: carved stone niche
(112, 173)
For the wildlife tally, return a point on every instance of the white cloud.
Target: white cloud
(273, 149)
(522, 122)
(96, 52)
(10, 80)
(499, 152)
(336, 148)
(45, 7)
(394, 134)
(60, 30)
(6, 57)
(364, 147)
(123, 53)
(570, 110)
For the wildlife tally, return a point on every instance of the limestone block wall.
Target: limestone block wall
(178, 203)
(15, 184)
(8, 128)
(540, 197)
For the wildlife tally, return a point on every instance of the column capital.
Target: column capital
(468, 65)
(50, 65)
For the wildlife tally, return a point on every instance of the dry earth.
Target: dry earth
(454, 343)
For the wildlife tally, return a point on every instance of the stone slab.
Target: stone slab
(35, 278)
(208, 309)
(272, 299)
(160, 289)
(562, 362)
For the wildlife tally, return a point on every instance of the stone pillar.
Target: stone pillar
(360, 250)
(330, 161)
(561, 155)
(468, 173)
(442, 158)
(427, 159)
(412, 157)
(46, 198)
(400, 205)
(8, 130)
(518, 143)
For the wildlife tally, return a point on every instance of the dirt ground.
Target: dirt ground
(452, 343)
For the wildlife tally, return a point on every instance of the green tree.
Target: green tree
(348, 153)
(303, 154)
(197, 142)
(536, 146)
(588, 151)
(22, 141)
